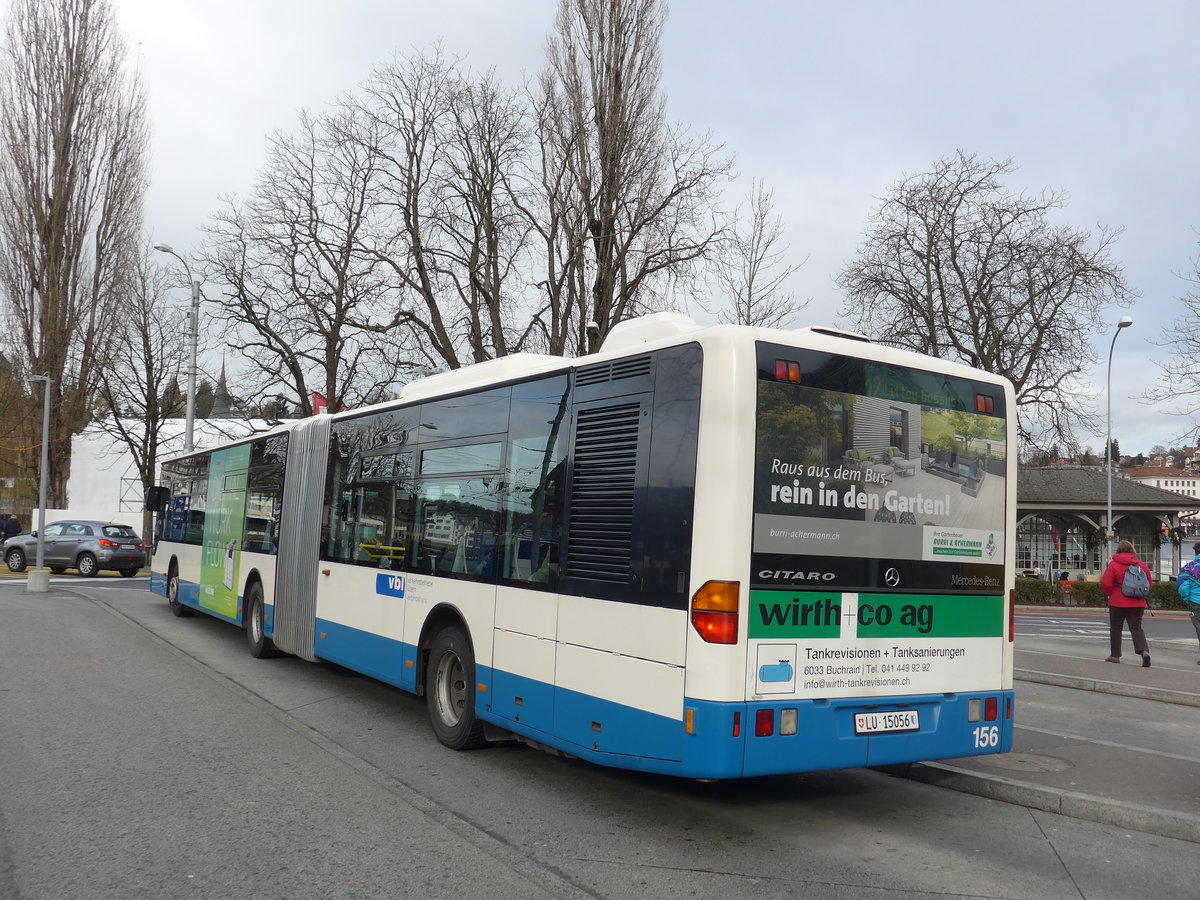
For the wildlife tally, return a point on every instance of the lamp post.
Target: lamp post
(39, 578)
(1125, 322)
(194, 329)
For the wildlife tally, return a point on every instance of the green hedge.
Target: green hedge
(1164, 595)
(1036, 592)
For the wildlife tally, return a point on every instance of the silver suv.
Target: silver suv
(85, 546)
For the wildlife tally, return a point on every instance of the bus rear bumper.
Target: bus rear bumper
(824, 735)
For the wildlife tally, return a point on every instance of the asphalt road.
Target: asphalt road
(1164, 625)
(149, 756)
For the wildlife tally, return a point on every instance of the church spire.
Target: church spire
(222, 402)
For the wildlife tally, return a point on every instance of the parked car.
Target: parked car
(85, 546)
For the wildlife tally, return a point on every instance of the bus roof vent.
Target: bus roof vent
(615, 370)
(837, 332)
(656, 326)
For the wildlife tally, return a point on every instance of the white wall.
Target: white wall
(100, 463)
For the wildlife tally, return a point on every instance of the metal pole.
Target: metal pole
(194, 327)
(39, 579)
(188, 443)
(1108, 521)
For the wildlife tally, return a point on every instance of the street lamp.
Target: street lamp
(194, 328)
(39, 579)
(1125, 322)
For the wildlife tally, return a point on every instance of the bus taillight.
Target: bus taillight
(786, 370)
(764, 723)
(715, 612)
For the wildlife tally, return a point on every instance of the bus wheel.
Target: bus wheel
(177, 608)
(450, 691)
(261, 646)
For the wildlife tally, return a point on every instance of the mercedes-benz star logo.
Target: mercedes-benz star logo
(892, 577)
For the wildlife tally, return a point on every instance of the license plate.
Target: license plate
(880, 722)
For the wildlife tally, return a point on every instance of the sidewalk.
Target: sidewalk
(1086, 778)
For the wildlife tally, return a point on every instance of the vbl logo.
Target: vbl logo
(390, 585)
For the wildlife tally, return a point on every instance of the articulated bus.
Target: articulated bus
(710, 552)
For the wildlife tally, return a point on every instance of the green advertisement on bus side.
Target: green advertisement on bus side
(223, 523)
(816, 615)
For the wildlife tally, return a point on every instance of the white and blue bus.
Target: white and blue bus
(707, 552)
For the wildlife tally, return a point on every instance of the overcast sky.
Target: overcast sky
(830, 103)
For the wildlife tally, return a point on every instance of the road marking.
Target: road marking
(75, 579)
(1084, 634)
(1070, 632)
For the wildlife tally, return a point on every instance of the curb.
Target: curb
(1161, 822)
(1164, 695)
(1183, 645)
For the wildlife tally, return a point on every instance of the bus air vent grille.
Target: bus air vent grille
(616, 370)
(600, 536)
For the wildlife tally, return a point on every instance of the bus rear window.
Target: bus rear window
(873, 477)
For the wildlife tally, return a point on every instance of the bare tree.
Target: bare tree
(485, 229)
(1179, 382)
(447, 147)
(629, 199)
(560, 227)
(72, 178)
(151, 352)
(955, 265)
(751, 266)
(309, 311)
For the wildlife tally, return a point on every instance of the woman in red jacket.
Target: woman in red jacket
(1124, 609)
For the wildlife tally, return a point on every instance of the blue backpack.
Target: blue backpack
(1135, 583)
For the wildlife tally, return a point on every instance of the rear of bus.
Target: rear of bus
(871, 621)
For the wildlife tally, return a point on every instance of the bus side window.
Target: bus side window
(533, 483)
(456, 527)
(400, 525)
(370, 521)
(264, 495)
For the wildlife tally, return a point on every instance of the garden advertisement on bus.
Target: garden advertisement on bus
(879, 523)
(223, 526)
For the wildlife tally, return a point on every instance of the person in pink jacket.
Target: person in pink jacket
(1123, 609)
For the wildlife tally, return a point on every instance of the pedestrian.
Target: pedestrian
(12, 527)
(1188, 583)
(1122, 607)
(1066, 590)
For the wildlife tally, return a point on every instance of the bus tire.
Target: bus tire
(261, 646)
(177, 608)
(450, 690)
